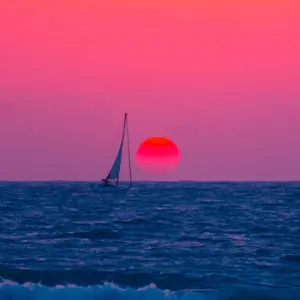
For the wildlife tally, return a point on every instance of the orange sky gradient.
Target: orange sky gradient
(219, 78)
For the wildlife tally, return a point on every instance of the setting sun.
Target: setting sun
(158, 154)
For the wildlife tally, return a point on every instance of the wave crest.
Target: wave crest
(28, 291)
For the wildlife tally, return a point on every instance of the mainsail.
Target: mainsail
(114, 172)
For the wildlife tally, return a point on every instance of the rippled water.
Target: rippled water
(198, 240)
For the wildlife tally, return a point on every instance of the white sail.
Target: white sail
(115, 169)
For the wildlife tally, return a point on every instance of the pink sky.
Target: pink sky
(219, 78)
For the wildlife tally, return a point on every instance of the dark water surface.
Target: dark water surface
(65, 240)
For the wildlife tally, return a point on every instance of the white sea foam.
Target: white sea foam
(14, 291)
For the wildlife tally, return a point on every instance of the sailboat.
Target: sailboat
(112, 179)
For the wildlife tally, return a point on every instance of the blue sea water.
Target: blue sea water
(185, 240)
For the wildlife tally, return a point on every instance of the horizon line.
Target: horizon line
(158, 181)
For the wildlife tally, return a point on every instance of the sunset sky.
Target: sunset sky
(221, 78)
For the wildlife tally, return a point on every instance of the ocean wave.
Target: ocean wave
(92, 234)
(87, 277)
(292, 258)
(28, 291)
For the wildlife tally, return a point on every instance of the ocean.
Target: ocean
(181, 240)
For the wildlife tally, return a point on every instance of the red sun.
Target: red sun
(158, 154)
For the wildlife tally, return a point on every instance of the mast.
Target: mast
(128, 147)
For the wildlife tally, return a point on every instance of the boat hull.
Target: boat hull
(108, 183)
